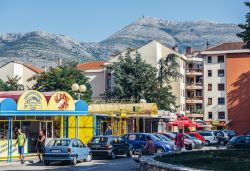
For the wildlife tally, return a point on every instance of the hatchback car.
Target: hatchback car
(109, 146)
(196, 135)
(210, 137)
(138, 141)
(239, 142)
(66, 149)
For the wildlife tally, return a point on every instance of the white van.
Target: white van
(209, 136)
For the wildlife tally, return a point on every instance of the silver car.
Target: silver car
(66, 149)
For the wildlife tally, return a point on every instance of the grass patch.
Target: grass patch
(219, 160)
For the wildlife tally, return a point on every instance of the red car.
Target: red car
(188, 144)
(196, 135)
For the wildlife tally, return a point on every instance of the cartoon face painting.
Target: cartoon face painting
(62, 101)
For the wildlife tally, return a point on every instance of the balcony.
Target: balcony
(193, 112)
(194, 71)
(194, 115)
(194, 86)
(194, 99)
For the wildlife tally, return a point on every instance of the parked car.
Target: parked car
(222, 137)
(109, 146)
(230, 133)
(209, 136)
(66, 149)
(239, 142)
(247, 132)
(188, 143)
(166, 139)
(138, 141)
(198, 143)
(197, 135)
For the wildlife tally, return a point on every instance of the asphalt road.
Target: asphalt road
(120, 164)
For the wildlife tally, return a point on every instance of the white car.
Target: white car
(209, 136)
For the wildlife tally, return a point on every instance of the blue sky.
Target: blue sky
(95, 20)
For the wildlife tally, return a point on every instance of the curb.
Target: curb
(17, 162)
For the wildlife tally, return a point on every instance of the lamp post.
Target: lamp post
(79, 91)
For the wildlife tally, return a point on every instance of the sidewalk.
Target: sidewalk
(15, 161)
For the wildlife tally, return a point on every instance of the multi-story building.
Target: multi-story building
(226, 86)
(194, 84)
(23, 71)
(151, 53)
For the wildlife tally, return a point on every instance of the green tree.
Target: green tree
(168, 69)
(245, 34)
(135, 79)
(61, 79)
(12, 84)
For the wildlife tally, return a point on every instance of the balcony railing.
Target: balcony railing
(197, 85)
(194, 99)
(194, 70)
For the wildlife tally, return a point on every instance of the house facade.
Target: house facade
(24, 71)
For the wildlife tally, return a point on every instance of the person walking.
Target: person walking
(108, 131)
(40, 145)
(179, 140)
(21, 140)
(149, 148)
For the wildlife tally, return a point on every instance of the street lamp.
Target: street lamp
(79, 90)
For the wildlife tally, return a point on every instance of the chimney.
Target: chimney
(188, 50)
(175, 48)
(60, 62)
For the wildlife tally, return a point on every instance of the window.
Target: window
(209, 59)
(80, 143)
(210, 115)
(221, 87)
(221, 73)
(75, 144)
(221, 115)
(210, 101)
(220, 59)
(209, 73)
(209, 87)
(221, 101)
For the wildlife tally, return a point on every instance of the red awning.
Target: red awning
(184, 122)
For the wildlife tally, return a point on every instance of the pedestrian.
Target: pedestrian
(40, 145)
(149, 148)
(108, 131)
(21, 140)
(179, 140)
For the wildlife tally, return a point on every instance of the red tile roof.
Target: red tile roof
(91, 65)
(227, 46)
(31, 67)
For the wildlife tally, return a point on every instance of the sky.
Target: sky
(95, 20)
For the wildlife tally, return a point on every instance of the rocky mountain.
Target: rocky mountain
(190, 33)
(43, 49)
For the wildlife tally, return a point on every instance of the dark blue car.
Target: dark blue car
(138, 140)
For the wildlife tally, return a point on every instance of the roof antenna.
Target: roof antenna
(207, 44)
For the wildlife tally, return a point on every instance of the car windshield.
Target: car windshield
(99, 140)
(155, 138)
(59, 143)
(233, 139)
(162, 137)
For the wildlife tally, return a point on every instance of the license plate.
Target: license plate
(95, 146)
(56, 151)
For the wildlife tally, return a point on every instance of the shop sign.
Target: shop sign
(154, 110)
(216, 122)
(61, 101)
(4, 149)
(32, 100)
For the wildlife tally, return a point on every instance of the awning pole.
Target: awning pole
(65, 124)
(9, 139)
(77, 126)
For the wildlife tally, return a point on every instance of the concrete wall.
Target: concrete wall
(214, 94)
(238, 91)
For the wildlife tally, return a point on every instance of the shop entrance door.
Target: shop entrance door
(47, 127)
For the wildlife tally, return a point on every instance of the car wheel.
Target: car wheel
(206, 143)
(46, 162)
(130, 153)
(88, 158)
(74, 161)
(112, 155)
(222, 142)
(159, 150)
(188, 147)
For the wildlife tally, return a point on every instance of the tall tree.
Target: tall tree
(61, 79)
(168, 69)
(135, 79)
(245, 34)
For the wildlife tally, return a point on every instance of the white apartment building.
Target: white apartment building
(24, 71)
(215, 106)
(152, 53)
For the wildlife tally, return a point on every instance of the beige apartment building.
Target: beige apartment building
(152, 53)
